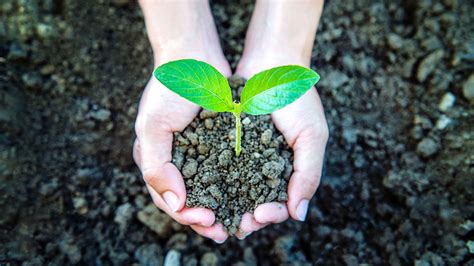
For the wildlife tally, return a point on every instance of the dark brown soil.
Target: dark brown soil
(229, 185)
(398, 179)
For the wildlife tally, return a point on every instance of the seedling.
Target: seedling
(265, 92)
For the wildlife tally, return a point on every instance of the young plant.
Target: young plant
(262, 94)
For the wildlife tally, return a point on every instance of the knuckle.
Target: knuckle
(324, 135)
(149, 123)
(135, 151)
(313, 181)
(148, 178)
(150, 175)
(318, 131)
(177, 218)
(180, 220)
(139, 124)
(136, 145)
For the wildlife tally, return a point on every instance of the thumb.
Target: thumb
(309, 150)
(166, 180)
(305, 129)
(153, 156)
(166, 186)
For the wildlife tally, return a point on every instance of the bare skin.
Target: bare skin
(280, 33)
(162, 112)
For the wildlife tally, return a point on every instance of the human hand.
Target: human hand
(304, 127)
(162, 112)
(270, 43)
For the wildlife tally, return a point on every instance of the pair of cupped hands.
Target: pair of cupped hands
(162, 112)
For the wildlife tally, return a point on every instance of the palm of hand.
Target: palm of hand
(161, 113)
(304, 127)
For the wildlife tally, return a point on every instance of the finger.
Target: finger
(136, 153)
(186, 216)
(272, 212)
(152, 153)
(248, 225)
(215, 232)
(309, 151)
(264, 214)
(304, 127)
(159, 172)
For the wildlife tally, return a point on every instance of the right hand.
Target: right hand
(162, 112)
(176, 30)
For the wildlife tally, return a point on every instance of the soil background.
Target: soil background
(398, 89)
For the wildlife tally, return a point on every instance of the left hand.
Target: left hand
(305, 129)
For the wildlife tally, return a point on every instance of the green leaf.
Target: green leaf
(275, 88)
(197, 82)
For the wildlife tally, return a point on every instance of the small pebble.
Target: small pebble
(443, 122)
(190, 168)
(225, 158)
(428, 64)
(394, 41)
(203, 149)
(193, 138)
(468, 88)
(336, 79)
(16, 52)
(32, 80)
(123, 215)
(47, 70)
(470, 246)
(173, 258)
(427, 147)
(45, 31)
(447, 102)
(101, 114)
(80, 204)
(266, 137)
(209, 259)
(207, 114)
(209, 123)
(149, 254)
(273, 169)
(231, 134)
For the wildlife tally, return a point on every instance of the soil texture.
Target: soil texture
(217, 179)
(397, 85)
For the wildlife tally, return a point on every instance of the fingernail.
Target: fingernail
(302, 209)
(171, 200)
(219, 241)
(244, 236)
(203, 223)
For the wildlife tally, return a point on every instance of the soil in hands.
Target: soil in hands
(217, 179)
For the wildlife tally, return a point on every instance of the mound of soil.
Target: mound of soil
(219, 180)
(396, 85)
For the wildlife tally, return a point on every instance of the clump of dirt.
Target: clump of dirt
(231, 185)
(396, 188)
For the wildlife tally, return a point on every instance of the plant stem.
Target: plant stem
(237, 133)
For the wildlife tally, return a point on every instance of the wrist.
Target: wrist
(181, 29)
(211, 56)
(279, 48)
(280, 33)
(253, 62)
